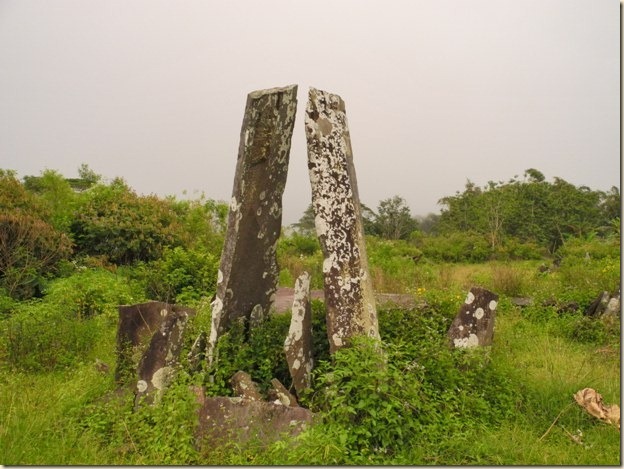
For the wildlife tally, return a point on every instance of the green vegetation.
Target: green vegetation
(415, 401)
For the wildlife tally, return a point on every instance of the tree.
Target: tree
(393, 219)
(305, 226)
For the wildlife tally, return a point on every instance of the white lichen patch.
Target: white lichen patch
(461, 328)
(296, 364)
(163, 312)
(467, 342)
(493, 305)
(234, 205)
(141, 385)
(262, 195)
(337, 340)
(478, 314)
(470, 298)
(162, 377)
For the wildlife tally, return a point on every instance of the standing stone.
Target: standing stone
(474, 324)
(137, 324)
(248, 273)
(160, 361)
(298, 343)
(338, 218)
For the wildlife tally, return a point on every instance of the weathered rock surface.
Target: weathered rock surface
(283, 395)
(474, 324)
(227, 419)
(605, 303)
(137, 324)
(248, 271)
(243, 386)
(160, 361)
(298, 343)
(348, 290)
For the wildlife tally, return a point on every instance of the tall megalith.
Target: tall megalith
(338, 218)
(248, 272)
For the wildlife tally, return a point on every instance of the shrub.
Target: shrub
(181, 275)
(29, 250)
(115, 222)
(62, 329)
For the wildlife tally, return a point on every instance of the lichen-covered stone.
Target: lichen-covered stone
(348, 290)
(283, 396)
(137, 324)
(160, 361)
(224, 420)
(248, 272)
(298, 343)
(243, 386)
(474, 324)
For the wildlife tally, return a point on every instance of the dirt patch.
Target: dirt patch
(284, 299)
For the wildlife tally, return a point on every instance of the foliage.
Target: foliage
(56, 194)
(61, 329)
(116, 222)
(29, 249)
(260, 351)
(393, 219)
(181, 275)
(529, 210)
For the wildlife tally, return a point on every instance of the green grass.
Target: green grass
(489, 408)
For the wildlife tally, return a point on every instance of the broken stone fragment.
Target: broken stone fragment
(474, 324)
(282, 394)
(160, 361)
(298, 343)
(349, 295)
(244, 387)
(248, 272)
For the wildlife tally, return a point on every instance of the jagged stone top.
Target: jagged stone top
(259, 93)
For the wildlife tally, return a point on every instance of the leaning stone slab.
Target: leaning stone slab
(338, 218)
(137, 324)
(283, 396)
(248, 272)
(298, 343)
(160, 361)
(474, 324)
(224, 420)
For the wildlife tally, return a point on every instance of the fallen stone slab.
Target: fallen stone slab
(225, 420)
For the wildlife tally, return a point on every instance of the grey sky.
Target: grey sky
(437, 91)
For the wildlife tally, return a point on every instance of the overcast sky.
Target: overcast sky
(436, 91)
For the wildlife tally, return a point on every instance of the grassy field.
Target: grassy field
(490, 407)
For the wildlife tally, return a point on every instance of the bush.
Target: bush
(115, 222)
(181, 276)
(62, 329)
(456, 247)
(30, 250)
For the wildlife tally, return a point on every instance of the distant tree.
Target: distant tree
(53, 190)
(429, 223)
(305, 226)
(611, 204)
(532, 210)
(393, 219)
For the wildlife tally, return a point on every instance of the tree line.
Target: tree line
(528, 210)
